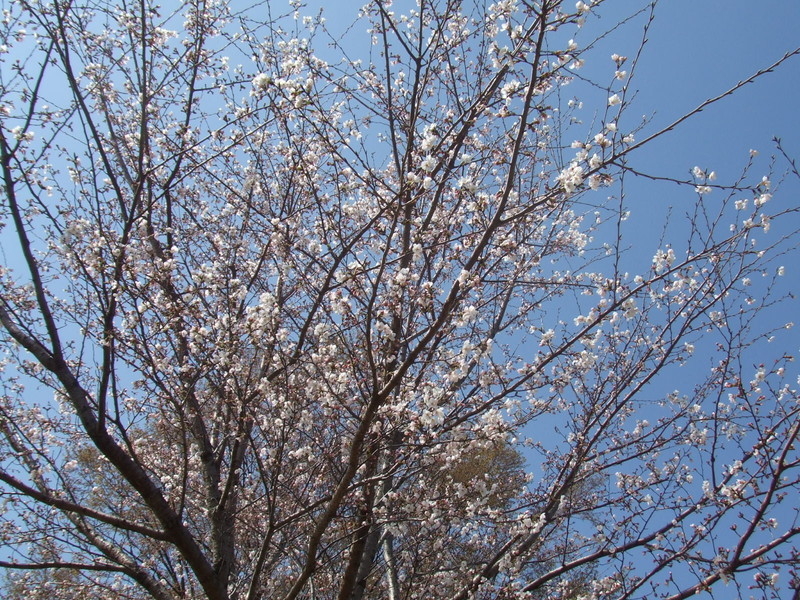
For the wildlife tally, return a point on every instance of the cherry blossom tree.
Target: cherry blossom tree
(294, 314)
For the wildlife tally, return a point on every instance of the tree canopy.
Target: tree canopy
(291, 311)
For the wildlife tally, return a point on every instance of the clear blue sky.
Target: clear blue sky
(698, 48)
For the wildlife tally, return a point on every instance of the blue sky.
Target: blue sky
(697, 49)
